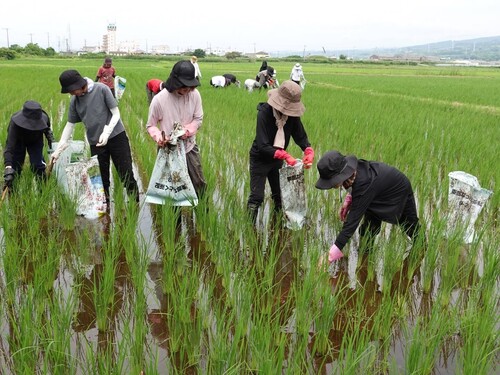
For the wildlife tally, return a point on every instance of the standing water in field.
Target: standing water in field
(466, 199)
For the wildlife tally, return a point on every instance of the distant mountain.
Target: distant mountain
(486, 49)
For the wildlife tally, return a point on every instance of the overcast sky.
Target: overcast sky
(248, 26)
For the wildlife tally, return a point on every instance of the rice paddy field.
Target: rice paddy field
(152, 290)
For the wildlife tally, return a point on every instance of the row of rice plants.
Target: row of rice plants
(241, 300)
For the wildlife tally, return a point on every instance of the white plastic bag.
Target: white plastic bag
(120, 84)
(170, 182)
(293, 195)
(466, 199)
(80, 178)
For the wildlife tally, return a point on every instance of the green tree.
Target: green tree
(232, 55)
(34, 49)
(198, 52)
(7, 54)
(50, 51)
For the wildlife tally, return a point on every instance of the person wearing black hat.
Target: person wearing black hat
(93, 104)
(278, 120)
(377, 192)
(179, 103)
(26, 130)
(106, 74)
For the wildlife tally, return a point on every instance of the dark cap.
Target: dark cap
(182, 75)
(31, 117)
(108, 60)
(71, 80)
(334, 168)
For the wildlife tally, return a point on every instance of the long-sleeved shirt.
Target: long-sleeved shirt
(379, 189)
(167, 108)
(262, 147)
(19, 136)
(297, 75)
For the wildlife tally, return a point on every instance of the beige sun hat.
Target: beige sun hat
(286, 99)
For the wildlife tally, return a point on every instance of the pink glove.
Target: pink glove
(308, 157)
(346, 206)
(283, 155)
(160, 139)
(334, 253)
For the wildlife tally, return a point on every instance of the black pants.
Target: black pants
(408, 221)
(118, 149)
(150, 94)
(195, 171)
(259, 173)
(35, 152)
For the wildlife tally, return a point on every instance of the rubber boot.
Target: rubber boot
(253, 211)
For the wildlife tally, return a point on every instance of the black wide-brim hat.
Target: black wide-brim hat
(71, 80)
(334, 168)
(31, 117)
(182, 75)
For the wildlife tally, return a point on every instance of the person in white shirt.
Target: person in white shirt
(297, 75)
(197, 71)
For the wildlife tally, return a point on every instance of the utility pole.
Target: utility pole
(7, 30)
(48, 40)
(31, 37)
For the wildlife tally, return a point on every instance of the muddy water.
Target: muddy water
(350, 275)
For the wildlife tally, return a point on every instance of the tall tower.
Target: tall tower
(109, 40)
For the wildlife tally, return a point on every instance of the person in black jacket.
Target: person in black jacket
(377, 192)
(26, 131)
(277, 121)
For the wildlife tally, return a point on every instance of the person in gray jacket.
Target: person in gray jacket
(377, 192)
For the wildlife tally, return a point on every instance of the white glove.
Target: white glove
(103, 138)
(63, 142)
(108, 129)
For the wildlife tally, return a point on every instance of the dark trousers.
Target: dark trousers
(118, 150)
(408, 221)
(150, 94)
(195, 171)
(35, 152)
(259, 173)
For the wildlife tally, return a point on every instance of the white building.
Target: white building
(109, 39)
(161, 49)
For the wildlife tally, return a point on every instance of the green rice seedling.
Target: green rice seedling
(425, 339)
(23, 333)
(436, 248)
(56, 339)
(327, 308)
(104, 284)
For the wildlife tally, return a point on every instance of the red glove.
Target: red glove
(308, 157)
(334, 253)
(346, 206)
(283, 155)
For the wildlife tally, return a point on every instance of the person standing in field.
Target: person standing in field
(93, 104)
(297, 75)
(377, 192)
(181, 103)
(278, 120)
(153, 87)
(197, 71)
(26, 131)
(106, 74)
